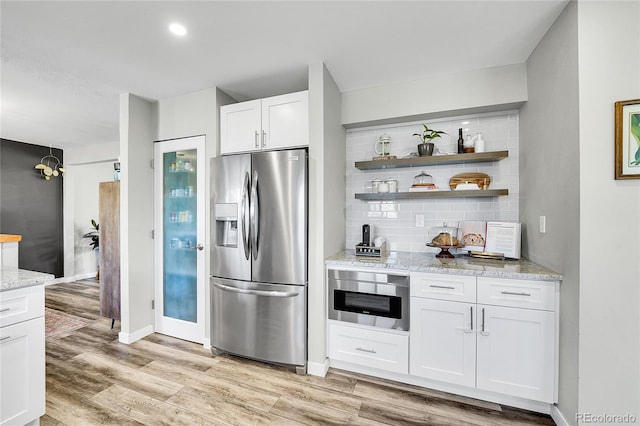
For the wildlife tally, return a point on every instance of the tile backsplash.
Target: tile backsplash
(396, 220)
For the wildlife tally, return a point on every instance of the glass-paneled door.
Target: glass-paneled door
(179, 238)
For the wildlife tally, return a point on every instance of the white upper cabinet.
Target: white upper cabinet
(265, 124)
(240, 127)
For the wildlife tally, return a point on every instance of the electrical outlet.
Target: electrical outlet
(420, 220)
(543, 224)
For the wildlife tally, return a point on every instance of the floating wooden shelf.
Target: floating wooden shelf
(481, 157)
(383, 196)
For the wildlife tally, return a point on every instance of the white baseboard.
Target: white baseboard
(557, 416)
(61, 280)
(206, 343)
(512, 401)
(64, 280)
(84, 276)
(318, 368)
(128, 338)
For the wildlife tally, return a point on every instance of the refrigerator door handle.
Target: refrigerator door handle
(269, 293)
(255, 215)
(244, 210)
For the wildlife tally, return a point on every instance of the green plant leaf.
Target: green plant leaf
(634, 127)
(637, 160)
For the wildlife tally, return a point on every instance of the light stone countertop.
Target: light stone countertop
(14, 278)
(460, 265)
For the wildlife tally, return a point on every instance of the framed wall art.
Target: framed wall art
(627, 139)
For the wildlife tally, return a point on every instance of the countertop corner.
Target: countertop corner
(14, 278)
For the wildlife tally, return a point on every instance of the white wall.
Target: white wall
(477, 91)
(85, 167)
(395, 220)
(609, 71)
(550, 182)
(84, 188)
(326, 201)
(137, 132)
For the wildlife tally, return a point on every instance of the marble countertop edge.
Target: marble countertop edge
(13, 278)
(460, 265)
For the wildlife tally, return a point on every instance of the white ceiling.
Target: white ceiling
(64, 64)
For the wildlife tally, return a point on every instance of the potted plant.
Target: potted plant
(427, 136)
(94, 235)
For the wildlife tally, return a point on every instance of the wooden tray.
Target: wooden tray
(481, 179)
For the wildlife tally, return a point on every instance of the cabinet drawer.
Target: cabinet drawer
(21, 304)
(458, 288)
(369, 348)
(517, 293)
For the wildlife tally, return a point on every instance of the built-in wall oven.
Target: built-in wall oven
(375, 299)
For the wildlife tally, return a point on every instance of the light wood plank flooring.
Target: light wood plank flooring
(159, 380)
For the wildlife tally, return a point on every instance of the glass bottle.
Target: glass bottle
(460, 142)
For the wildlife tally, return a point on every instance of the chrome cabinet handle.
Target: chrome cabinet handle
(256, 140)
(371, 351)
(442, 286)
(5, 309)
(264, 139)
(512, 293)
(244, 207)
(272, 293)
(197, 247)
(482, 330)
(471, 308)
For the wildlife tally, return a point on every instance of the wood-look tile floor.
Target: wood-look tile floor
(159, 380)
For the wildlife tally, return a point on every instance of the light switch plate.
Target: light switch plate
(420, 220)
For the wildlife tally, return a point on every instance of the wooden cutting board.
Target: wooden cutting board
(480, 179)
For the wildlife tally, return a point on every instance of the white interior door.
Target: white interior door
(179, 211)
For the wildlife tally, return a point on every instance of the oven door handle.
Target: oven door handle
(269, 293)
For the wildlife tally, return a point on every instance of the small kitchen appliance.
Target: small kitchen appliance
(375, 299)
(368, 247)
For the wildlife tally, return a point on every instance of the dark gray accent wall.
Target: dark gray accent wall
(550, 182)
(32, 206)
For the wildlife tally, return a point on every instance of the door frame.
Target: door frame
(186, 330)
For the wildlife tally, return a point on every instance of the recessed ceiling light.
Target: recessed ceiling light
(178, 29)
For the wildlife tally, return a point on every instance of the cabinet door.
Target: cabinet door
(22, 382)
(443, 341)
(240, 127)
(285, 121)
(516, 352)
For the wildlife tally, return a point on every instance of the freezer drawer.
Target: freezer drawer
(267, 322)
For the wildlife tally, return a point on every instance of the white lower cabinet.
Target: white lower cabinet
(516, 352)
(22, 356)
(507, 349)
(487, 336)
(369, 348)
(443, 341)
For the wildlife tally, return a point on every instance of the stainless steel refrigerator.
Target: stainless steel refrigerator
(259, 256)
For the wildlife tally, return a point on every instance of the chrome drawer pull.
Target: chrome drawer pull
(371, 351)
(442, 286)
(511, 293)
(5, 338)
(5, 309)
